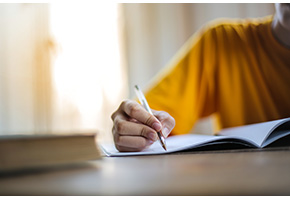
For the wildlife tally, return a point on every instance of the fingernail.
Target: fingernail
(150, 142)
(156, 126)
(165, 132)
(152, 136)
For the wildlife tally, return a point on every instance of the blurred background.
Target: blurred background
(65, 67)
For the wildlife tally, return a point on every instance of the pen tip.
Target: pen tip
(164, 147)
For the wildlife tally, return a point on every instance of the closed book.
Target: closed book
(31, 151)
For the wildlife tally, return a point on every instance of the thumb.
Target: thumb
(167, 121)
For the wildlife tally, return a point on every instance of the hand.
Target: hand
(135, 129)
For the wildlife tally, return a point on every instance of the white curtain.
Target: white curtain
(25, 77)
(61, 69)
(88, 73)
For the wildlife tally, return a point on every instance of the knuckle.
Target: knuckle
(119, 110)
(143, 131)
(165, 115)
(124, 103)
(113, 115)
(119, 126)
(133, 109)
(150, 119)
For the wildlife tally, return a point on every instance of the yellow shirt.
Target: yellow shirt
(236, 71)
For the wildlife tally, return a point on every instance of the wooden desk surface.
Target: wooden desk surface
(200, 173)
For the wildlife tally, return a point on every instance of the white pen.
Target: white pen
(144, 103)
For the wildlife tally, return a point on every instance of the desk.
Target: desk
(232, 172)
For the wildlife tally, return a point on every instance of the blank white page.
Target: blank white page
(173, 143)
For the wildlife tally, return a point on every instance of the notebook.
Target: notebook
(259, 135)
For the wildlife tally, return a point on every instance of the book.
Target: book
(259, 135)
(19, 152)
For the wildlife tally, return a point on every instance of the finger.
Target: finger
(128, 128)
(125, 149)
(136, 111)
(167, 121)
(131, 143)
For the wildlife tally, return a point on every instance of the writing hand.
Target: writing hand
(135, 129)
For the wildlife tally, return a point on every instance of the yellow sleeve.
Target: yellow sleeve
(234, 69)
(186, 87)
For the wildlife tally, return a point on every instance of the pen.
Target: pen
(144, 103)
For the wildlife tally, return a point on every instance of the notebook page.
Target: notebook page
(173, 143)
(254, 132)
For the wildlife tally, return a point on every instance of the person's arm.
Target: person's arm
(186, 88)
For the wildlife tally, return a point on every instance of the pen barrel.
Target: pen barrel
(146, 106)
(144, 103)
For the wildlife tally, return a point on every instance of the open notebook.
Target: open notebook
(258, 135)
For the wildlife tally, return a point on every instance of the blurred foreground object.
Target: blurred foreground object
(19, 152)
